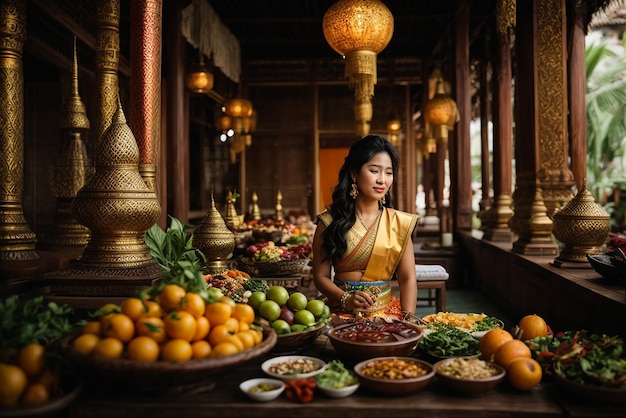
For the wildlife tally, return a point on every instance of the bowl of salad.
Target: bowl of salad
(336, 381)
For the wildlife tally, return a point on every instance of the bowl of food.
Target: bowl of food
(293, 367)
(262, 389)
(336, 381)
(377, 338)
(469, 375)
(449, 341)
(394, 376)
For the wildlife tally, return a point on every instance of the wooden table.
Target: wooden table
(107, 399)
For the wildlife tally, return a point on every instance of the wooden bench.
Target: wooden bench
(432, 278)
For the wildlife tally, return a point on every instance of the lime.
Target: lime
(278, 294)
(297, 301)
(316, 307)
(326, 313)
(256, 298)
(281, 326)
(304, 317)
(298, 327)
(269, 310)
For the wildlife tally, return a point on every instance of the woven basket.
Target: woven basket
(296, 341)
(163, 374)
(278, 268)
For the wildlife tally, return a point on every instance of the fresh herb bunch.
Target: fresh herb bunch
(180, 261)
(32, 321)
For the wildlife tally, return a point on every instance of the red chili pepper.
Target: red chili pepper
(300, 390)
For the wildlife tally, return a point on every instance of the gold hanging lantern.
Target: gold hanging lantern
(238, 108)
(440, 112)
(243, 122)
(359, 30)
(394, 129)
(199, 79)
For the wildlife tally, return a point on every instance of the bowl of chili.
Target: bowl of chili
(363, 340)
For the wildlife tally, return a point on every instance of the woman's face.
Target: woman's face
(375, 177)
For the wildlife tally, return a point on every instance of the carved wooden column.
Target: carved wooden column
(543, 179)
(577, 92)
(145, 93)
(497, 218)
(486, 199)
(17, 241)
(177, 116)
(460, 149)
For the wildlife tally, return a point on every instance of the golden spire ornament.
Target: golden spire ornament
(232, 219)
(215, 240)
(72, 169)
(118, 208)
(279, 207)
(255, 211)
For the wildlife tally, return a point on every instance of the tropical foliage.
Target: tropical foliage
(606, 111)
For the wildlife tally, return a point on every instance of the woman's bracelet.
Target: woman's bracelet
(344, 298)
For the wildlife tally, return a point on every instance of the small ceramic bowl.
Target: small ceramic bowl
(293, 367)
(262, 389)
(338, 392)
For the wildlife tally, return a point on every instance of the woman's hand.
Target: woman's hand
(361, 300)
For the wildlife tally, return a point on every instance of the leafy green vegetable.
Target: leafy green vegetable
(592, 359)
(336, 376)
(32, 321)
(448, 341)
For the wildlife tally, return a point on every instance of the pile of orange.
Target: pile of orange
(176, 326)
(29, 381)
(501, 347)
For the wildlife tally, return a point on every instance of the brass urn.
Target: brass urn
(583, 227)
(215, 240)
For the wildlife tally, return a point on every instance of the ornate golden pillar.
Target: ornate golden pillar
(107, 63)
(543, 177)
(17, 241)
(145, 90)
(555, 177)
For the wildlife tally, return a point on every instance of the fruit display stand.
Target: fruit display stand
(103, 399)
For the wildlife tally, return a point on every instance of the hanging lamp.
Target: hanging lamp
(441, 112)
(200, 78)
(358, 30)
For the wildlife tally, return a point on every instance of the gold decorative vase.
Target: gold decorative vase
(583, 227)
(215, 240)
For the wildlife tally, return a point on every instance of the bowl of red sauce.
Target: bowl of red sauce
(362, 340)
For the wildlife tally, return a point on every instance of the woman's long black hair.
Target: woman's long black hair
(342, 208)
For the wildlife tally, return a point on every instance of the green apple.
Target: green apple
(298, 327)
(304, 317)
(281, 326)
(269, 310)
(297, 301)
(278, 294)
(256, 299)
(316, 307)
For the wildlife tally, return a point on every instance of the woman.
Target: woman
(364, 240)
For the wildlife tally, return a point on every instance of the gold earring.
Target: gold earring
(354, 191)
(383, 200)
